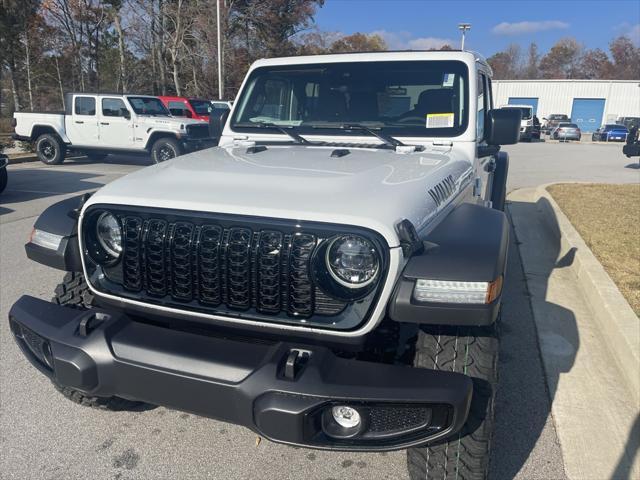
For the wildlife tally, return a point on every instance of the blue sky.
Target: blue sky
(430, 23)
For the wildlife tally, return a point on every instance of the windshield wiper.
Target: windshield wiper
(282, 129)
(387, 140)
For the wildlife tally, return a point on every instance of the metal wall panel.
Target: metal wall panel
(622, 97)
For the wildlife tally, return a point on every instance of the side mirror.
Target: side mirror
(125, 113)
(504, 126)
(216, 124)
(188, 114)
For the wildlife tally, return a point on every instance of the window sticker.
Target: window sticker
(439, 120)
(447, 79)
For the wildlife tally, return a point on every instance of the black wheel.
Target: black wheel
(499, 186)
(50, 149)
(165, 149)
(74, 292)
(96, 156)
(474, 352)
(3, 179)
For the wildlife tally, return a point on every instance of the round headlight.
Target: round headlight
(352, 261)
(109, 234)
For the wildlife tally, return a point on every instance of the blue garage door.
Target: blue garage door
(587, 113)
(525, 101)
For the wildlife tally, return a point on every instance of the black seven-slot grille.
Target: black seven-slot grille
(203, 264)
(198, 131)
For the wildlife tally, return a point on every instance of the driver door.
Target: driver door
(116, 124)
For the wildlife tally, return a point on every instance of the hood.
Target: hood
(170, 122)
(370, 188)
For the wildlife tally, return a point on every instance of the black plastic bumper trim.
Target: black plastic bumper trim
(233, 380)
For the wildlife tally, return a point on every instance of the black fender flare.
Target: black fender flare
(471, 244)
(59, 219)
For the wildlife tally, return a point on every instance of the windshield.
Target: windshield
(558, 117)
(410, 98)
(202, 107)
(614, 127)
(148, 106)
(568, 125)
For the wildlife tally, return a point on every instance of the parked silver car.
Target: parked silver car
(566, 131)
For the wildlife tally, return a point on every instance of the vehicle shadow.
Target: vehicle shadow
(128, 159)
(525, 445)
(627, 458)
(635, 166)
(30, 184)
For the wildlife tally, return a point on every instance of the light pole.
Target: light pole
(220, 80)
(463, 27)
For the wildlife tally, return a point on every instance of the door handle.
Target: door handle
(104, 123)
(78, 121)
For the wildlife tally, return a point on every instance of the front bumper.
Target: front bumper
(20, 138)
(282, 391)
(194, 144)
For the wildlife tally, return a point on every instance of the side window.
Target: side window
(113, 107)
(481, 107)
(178, 109)
(85, 106)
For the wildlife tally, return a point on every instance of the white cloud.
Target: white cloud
(518, 28)
(406, 41)
(629, 30)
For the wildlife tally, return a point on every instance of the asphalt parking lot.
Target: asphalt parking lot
(46, 437)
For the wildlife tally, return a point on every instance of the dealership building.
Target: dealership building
(589, 103)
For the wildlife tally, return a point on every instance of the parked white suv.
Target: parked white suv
(99, 124)
(330, 276)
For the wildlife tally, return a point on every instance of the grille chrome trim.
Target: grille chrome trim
(142, 223)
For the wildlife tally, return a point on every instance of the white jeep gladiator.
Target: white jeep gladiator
(330, 276)
(99, 124)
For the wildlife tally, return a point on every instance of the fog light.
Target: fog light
(346, 417)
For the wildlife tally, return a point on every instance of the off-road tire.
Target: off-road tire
(162, 145)
(474, 352)
(74, 292)
(3, 179)
(50, 149)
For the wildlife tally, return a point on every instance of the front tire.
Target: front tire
(50, 149)
(74, 292)
(165, 149)
(472, 351)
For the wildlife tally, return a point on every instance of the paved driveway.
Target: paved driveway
(46, 437)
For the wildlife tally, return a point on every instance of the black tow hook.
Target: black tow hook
(295, 363)
(90, 321)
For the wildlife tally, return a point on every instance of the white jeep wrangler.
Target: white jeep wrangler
(330, 276)
(99, 124)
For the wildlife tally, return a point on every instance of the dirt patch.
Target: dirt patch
(608, 219)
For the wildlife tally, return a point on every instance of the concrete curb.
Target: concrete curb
(619, 325)
(22, 158)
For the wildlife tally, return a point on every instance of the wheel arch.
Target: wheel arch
(43, 128)
(157, 135)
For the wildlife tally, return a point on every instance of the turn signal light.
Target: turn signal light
(451, 291)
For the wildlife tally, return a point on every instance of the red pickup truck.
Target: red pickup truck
(188, 107)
